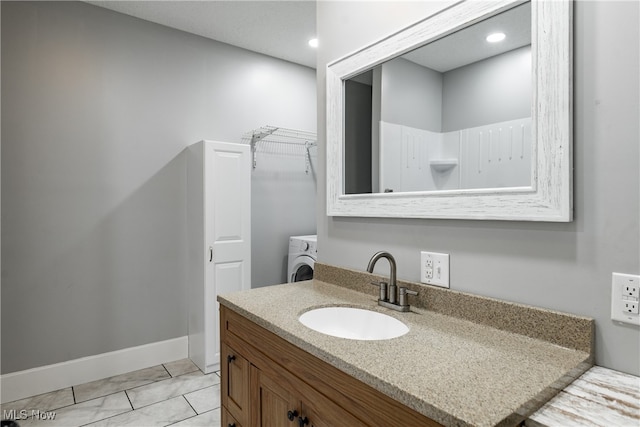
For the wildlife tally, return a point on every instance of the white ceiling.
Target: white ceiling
(469, 45)
(276, 28)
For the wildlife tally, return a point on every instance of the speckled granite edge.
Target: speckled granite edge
(550, 392)
(566, 330)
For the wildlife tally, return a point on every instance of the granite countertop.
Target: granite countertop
(452, 370)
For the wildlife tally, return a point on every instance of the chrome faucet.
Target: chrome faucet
(388, 295)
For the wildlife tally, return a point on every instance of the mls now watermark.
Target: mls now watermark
(23, 414)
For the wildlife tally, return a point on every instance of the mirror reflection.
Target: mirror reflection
(453, 114)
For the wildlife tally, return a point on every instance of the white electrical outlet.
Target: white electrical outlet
(630, 289)
(434, 269)
(630, 307)
(625, 298)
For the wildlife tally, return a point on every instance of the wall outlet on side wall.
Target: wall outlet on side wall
(625, 298)
(434, 269)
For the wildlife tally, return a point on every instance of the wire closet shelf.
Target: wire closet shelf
(281, 141)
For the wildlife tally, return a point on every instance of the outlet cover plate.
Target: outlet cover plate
(434, 269)
(624, 288)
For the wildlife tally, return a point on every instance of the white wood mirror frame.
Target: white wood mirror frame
(549, 198)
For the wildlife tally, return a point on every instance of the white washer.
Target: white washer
(303, 253)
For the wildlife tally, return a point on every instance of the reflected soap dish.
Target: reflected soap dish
(443, 165)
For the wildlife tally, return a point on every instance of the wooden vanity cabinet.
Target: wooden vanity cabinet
(268, 382)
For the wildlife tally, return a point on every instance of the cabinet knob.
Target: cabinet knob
(303, 421)
(230, 358)
(231, 425)
(292, 414)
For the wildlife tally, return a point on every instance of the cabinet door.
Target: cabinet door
(227, 250)
(235, 384)
(228, 420)
(272, 404)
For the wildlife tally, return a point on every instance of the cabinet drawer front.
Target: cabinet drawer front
(235, 384)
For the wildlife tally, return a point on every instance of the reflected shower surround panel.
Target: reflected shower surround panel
(497, 155)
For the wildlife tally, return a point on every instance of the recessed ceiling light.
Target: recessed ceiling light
(495, 37)
(313, 42)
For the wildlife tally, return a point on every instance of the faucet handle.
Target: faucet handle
(403, 295)
(383, 289)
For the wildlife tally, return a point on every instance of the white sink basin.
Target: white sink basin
(353, 323)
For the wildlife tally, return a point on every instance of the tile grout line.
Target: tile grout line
(130, 403)
(177, 395)
(189, 403)
(155, 381)
(165, 368)
(173, 397)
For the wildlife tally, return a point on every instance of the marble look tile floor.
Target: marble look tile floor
(172, 394)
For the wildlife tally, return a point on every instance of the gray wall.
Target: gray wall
(282, 205)
(411, 95)
(564, 267)
(97, 109)
(494, 90)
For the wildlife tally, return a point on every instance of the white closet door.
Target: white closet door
(227, 230)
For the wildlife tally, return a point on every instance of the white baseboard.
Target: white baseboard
(31, 382)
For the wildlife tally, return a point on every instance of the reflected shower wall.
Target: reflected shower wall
(491, 156)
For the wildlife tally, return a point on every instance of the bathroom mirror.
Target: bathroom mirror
(429, 123)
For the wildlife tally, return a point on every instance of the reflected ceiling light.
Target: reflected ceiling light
(313, 42)
(495, 37)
